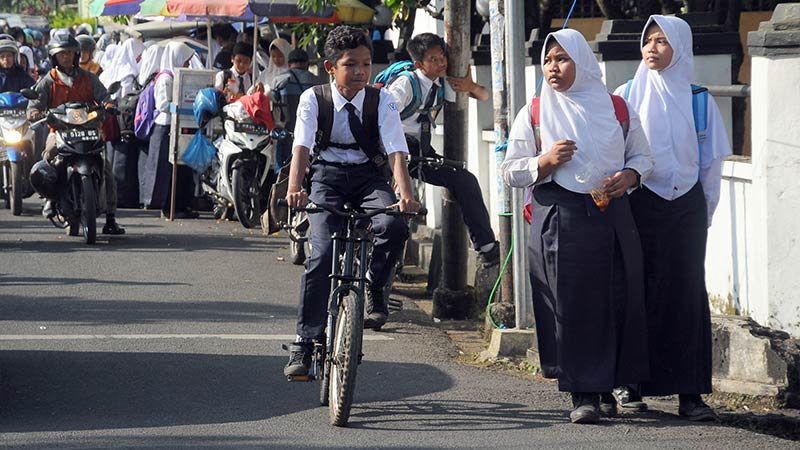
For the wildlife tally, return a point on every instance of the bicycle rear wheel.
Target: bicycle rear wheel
(344, 358)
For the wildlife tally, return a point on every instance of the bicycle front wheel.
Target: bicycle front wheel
(344, 358)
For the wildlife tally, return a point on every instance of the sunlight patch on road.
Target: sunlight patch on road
(248, 337)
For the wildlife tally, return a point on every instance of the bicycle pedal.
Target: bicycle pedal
(294, 378)
(395, 304)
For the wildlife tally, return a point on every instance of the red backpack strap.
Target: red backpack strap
(535, 124)
(621, 112)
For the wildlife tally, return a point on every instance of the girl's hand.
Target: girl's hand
(560, 153)
(619, 183)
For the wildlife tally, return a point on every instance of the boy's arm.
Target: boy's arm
(400, 172)
(295, 195)
(466, 84)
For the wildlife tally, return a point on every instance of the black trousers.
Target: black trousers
(466, 190)
(157, 177)
(334, 186)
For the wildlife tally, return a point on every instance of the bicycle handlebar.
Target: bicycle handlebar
(312, 208)
(436, 161)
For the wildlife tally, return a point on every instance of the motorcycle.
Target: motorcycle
(240, 175)
(16, 150)
(75, 176)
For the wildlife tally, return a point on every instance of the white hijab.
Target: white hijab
(124, 65)
(583, 113)
(25, 50)
(151, 61)
(175, 56)
(108, 56)
(268, 75)
(664, 99)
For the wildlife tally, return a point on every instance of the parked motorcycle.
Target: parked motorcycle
(240, 175)
(16, 151)
(75, 176)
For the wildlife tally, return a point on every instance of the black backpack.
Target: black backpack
(126, 107)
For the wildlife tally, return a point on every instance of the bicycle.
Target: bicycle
(336, 368)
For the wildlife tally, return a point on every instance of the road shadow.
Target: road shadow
(128, 312)
(52, 391)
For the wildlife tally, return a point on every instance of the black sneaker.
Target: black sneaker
(629, 398)
(586, 408)
(695, 409)
(112, 227)
(377, 310)
(608, 404)
(490, 258)
(299, 359)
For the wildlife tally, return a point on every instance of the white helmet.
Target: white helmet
(9, 45)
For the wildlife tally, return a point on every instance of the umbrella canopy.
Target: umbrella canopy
(113, 7)
(287, 11)
(154, 8)
(222, 8)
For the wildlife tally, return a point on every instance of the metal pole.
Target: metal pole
(515, 51)
(452, 300)
(500, 103)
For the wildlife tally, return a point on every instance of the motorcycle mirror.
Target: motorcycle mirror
(30, 94)
(114, 87)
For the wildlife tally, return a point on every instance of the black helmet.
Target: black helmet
(44, 179)
(63, 42)
(86, 42)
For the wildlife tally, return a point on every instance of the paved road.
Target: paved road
(169, 338)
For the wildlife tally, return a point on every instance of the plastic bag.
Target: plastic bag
(199, 152)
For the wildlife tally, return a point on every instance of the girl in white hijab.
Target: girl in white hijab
(125, 66)
(585, 261)
(150, 63)
(672, 211)
(278, 54)
(158, 170)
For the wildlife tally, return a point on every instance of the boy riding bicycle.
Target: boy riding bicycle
(356, 137)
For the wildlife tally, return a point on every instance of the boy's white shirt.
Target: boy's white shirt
(389, 126)
(220, 79)
(403, 93)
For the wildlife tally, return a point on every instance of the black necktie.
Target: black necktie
(241, 84)
(425, 120)
(357, 128)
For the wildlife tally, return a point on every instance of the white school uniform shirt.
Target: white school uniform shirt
(583, 113)
(220, 79)
(664, 101)
(389, 127)
(162, 94)
(403, 93)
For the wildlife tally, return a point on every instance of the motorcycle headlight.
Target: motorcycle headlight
(12, 136)
(79, 116)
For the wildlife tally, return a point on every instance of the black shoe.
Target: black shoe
(299, 359)
(629, 398)
(490, 258)
(181, 214)
(695, 409)
(586, 408)
(48, 209)
(112, 227)
(377, 311)
(608, 404)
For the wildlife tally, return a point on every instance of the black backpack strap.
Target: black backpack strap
(369, 117)
(226, 76)
(324, 117)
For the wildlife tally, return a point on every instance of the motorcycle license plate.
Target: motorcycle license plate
(76, 136)
(12, 113)
(249, 128)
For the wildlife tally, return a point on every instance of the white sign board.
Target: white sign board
(184, 89)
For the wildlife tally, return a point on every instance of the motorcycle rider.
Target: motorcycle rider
(65, 83)
(13, 78)
(88, 45)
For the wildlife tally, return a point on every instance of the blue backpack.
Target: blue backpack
(699, 110)
(407, 69)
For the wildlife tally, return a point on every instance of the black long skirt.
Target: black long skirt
(588, 291)
(157, 177)
(674, 237)
(124, 159)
